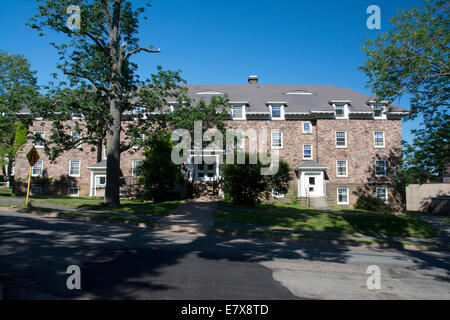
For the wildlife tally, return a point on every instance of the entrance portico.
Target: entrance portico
(311, 179)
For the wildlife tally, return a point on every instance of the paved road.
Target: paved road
(124, 262)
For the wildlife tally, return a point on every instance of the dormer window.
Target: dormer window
(238, 112)
(378, 111)
(340, 110)
(277, 111)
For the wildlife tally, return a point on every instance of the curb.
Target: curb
(349, 242)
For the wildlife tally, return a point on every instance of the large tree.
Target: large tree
(18, 90)
(103, 88)
(412, 59)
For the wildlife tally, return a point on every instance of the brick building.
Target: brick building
(339, 143)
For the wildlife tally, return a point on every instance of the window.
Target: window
(74, 137)
(238, 141)
(138, 110)
(139, 141)
(74, 168)
(307, 152)
(276, 111)
(73, 191)
(277, 194)
(380, 168)
(341, 139)
(382, 194)
(237, 112)
(38, 169)
(342, 196)
(104, 151)
(136, 168)
(277, 140)
(38, 138)
(100, 181)
(340, 110)
(341, 168)
(35, 190)
(76, 116)
(307, 127)
(378, 137)
(378, 111)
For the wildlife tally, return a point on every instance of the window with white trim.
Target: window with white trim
(307, 152)
(379, 111)
(238, 112)
(382, 194)
(276, 112)
(340, 109)
(136, 168)
(74, 137)
(378, 137)
(74, 168)
(73, 191)
(277, 194)
(380, 168)
(238, 141)
(277, 139)
(342, 168)
(341, 139)
(342, 196)
(307, 128)
(139, 141)
(38, 169)
(38, 139)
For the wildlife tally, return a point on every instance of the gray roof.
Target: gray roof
(308, 98)
(310, 164)
(99, 165)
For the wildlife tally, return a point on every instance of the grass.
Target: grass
(293, 217)
(88, 203)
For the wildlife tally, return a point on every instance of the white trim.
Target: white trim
(42, 172)
(79, 168)
(346, 169)
(312, 154)
(78, 137)
(335, 139)
(281, 105)
(386, 201)
(210, 92)
(39, 146)
(374, 140)
(299, 92)
(348, 196)
(385, 168)
(277, 196)
(133, 167)
(73, 195)
(346, 110)
(303, 127)
(271, 139)
(243, 117)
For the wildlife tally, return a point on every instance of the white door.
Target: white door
(311, 184)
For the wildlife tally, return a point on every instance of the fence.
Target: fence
(419, 197)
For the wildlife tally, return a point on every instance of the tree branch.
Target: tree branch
(132, 52)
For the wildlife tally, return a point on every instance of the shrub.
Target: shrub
(245, 185)
(371, 203)
(159, 173)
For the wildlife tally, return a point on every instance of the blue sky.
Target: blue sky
(212, 41)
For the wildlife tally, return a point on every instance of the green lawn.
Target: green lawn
(292, 217)
(88, 203)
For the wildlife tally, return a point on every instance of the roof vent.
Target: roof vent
(252, 79)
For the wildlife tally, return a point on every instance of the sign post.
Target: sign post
(32, 157)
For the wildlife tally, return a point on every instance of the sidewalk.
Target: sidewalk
(190, 216)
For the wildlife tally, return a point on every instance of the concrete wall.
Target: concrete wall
(418, 197)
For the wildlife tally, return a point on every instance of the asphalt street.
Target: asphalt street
(126, 262)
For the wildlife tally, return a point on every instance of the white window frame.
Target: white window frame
(303, 127)
(70, 168)
(281, 140)
(42, 134)
(385, 168)
(35, 188)
(243, 115)
(72, 134)
(277, 195)
(281, 117)
(104, 151)
(375, 140)
(133, 167)
(346, 169)
(34, 167)
(386, 200)
(336, 139)
(383, 111)
(73, 188)
(312, 155)
(238, 141)
(348, 196)
(141, 138)
(345, 107)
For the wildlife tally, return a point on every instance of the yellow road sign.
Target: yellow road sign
(32, 156)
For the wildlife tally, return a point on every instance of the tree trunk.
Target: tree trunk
(113, 156)
(99, 151)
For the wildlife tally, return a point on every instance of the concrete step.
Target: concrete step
(314, 202)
